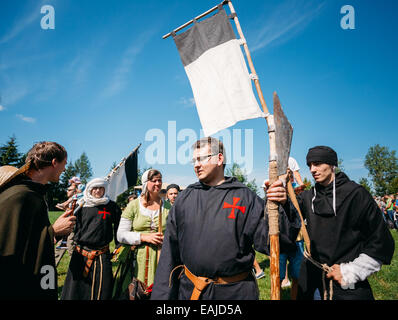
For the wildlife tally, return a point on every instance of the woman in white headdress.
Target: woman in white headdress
(139, 226)
(90, 271)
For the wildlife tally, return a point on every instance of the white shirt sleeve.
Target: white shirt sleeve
(125, 235)
(359, 269)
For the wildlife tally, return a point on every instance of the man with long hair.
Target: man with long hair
(27, 264)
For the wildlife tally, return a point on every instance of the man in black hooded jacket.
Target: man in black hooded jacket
(346, 230)
(211, 231)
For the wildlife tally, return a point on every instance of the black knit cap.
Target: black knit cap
(322, 154)
(171, 186)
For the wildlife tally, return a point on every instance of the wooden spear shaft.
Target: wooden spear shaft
(160, 228)
(303, 229)
(272, 207)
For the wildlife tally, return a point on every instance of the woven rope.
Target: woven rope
(325, 268)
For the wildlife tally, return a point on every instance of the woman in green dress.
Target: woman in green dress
(139, 227)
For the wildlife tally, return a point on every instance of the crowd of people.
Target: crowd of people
(388, 205)
(199, 243)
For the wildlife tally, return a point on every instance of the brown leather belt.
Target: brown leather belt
(90, 255)
(201, 283)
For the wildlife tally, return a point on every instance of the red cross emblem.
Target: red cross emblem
(233, 206)
(104, 213)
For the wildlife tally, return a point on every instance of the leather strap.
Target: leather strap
(90, 255)
(200, 283)
(146, 265)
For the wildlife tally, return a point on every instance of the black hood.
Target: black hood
(323, 203)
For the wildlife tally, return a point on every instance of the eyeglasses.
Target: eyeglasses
(203, 159)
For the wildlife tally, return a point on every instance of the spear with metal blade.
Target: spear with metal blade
(280, 134)
(279, 129)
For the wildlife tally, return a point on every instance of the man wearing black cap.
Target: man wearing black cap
(346, 230)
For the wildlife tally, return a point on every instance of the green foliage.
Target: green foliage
(22, 159)
(382, 165)
(384, 283)
(393, 186)
(114, 164)
(240, 175)
(70, 171)
(340, 166)
(83, 168)
(57, 191)
(307, 183)
(366, 184)
(9, 154)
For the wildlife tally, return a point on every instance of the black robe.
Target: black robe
(357, 227)
(95, 229)
(213, 239)
(26, 243)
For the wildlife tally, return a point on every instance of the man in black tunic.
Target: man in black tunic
(346, 230)
(211, 231)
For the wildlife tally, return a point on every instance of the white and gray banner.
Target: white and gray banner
(218, 74)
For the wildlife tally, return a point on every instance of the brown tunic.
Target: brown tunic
(27, 264)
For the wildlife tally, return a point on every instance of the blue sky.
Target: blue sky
(104, 78)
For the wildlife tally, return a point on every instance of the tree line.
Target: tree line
(380, 161)
(10, 155)
(382, 165)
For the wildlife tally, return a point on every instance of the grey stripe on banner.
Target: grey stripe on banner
(203, 36)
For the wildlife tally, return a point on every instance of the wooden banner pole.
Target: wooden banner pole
(272, 207)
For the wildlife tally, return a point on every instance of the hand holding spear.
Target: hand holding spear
(279, 129)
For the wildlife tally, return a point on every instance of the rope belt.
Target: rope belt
(93, 284)
(325, 268)
(200, 283)
(90, 255)
(307, 251)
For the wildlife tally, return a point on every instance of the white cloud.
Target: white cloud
(26, 119)
(187, 102)
(119, 80)
(23, 23)
(2, 108)
(286, 21)
(12, 94)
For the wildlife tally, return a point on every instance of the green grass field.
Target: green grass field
(384, 283)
